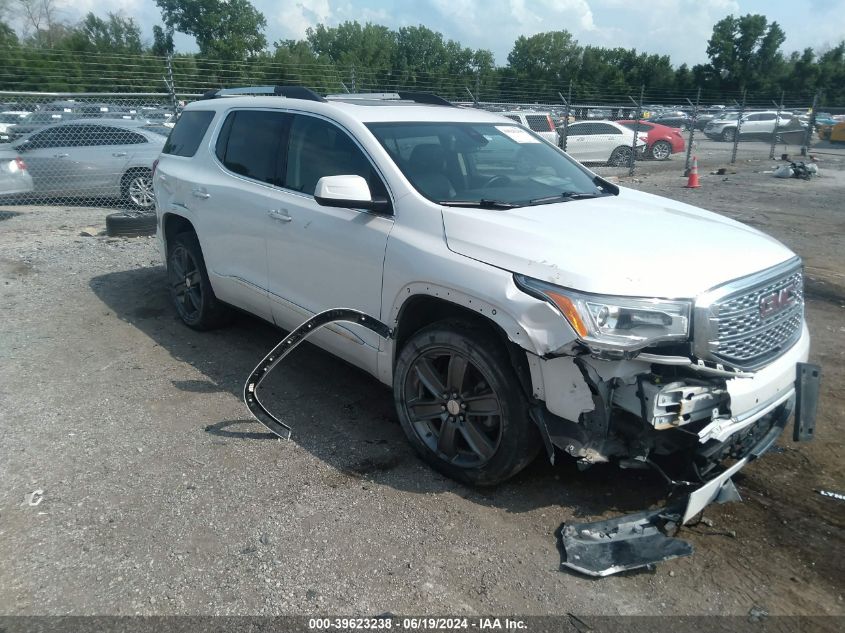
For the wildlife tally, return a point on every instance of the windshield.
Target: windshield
(493, 165)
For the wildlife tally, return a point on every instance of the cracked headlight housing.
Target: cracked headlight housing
(610, 323)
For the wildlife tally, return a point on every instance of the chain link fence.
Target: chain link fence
(92, 149)
(98, 149)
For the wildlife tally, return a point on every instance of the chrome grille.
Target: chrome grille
(733, 328)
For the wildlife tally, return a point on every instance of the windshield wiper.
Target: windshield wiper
(566, 196)
(479, 204)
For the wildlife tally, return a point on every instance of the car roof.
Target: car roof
(109, 122)
(362, 110)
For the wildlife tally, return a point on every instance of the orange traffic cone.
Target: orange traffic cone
(692, 182)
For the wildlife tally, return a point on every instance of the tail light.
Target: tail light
(551, 123)
(155, 164)
(17, 165)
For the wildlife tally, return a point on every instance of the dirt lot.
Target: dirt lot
(162, 497)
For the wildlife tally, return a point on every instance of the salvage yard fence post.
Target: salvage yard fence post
(637, 118)
(738, 126)
(566, 109)
(171, 88)
(811, 125)
(779, 107)
(692, 130)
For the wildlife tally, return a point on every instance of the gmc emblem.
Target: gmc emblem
(780, 300)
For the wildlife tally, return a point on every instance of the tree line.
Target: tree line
(108, 53)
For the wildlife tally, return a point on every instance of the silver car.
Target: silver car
(94, 158)
(14, 176)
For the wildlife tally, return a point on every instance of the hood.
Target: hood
(633, 244)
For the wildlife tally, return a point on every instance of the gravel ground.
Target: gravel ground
(160, 496)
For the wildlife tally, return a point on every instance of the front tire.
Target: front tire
(190, 289)
(461, 405)
(728, 134)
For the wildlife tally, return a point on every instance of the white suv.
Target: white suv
(754, 124)
(531, 305)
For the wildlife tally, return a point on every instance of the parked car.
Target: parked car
(105, 111)
(94, 158)
(705, 115)
(527, 304)
(754, 125)
(10, 117)
(605, 142)
(672, 119)
(14, 176)
(661, 141)
(37, 120)
(540, 122)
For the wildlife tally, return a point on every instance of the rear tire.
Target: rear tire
(137, 188)
(621, 157)
(461, 405)
(190, 289)
(661, 150)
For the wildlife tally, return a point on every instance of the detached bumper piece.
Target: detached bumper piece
(630, 542)
(286, 346)
(638, 540)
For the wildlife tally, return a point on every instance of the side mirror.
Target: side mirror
(347, 192)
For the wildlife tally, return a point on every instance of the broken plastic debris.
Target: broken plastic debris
(833, 495)
(623, 543)
(35, 497)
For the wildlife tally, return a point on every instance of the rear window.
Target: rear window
(250, 144)
(187, 135)
(539, 122)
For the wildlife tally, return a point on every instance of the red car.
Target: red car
(662, 141)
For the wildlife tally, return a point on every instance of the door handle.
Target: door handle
(200, 193)
(118, 154)
(60, 155)
(279, 214)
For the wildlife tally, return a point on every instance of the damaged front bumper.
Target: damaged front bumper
(623, 543)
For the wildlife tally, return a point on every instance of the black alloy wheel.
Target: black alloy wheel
(452, 407)
(461, 404)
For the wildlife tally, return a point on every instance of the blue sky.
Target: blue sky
(679, 28)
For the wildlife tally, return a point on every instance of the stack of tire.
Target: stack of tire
(140, 218)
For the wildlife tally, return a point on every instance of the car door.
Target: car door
(751, 124)
(326, 257)
(608, 138)
(235, 201)
(48, 160)
(111, 151)
(579, 143)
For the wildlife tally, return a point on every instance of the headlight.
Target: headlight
(607, 323)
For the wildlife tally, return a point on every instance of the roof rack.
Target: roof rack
(417, 97)
(290, 92)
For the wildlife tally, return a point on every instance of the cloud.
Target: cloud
(678, 28)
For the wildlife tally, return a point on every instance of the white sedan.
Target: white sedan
(602, 142)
